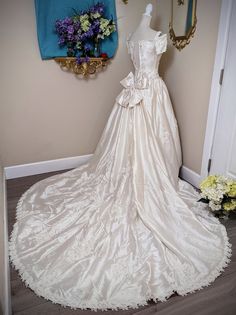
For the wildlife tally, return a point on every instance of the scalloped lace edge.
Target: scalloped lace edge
(39, 291)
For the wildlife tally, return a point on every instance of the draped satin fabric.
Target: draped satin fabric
(122, 228)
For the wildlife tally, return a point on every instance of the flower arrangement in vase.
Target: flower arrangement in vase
(220, 193)
(83, 32)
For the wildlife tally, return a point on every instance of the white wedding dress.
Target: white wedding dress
(122, 228)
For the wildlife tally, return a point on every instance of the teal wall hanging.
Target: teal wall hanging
(48, 11)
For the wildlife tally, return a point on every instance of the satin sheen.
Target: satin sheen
(122, 228)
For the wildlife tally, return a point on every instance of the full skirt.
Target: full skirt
(122, 228)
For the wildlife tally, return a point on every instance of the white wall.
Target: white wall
(188, 75)
(46, 113)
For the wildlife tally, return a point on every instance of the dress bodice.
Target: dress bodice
(146, 54)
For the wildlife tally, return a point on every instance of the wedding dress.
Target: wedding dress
(122, 228)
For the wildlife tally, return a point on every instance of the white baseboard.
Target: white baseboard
(72, 162)
(190, 176)
(45, 166)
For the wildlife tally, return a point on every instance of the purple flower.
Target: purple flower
(78, 37)
(61, 41)
(80, 60)
(58, 23)
(68, 21)
(70, 37)
(64, 26)
(97, 8)
(70, 29)
(77, 26)
(86, 35)
(83, 37)
(86, 59)
(59, 27)
(87, 47)
(95, 27)
(89, 33)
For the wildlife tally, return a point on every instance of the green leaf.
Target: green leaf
(203, 200)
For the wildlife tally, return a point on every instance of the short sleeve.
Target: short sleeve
(161, 44)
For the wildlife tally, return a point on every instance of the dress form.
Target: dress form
(144, 31)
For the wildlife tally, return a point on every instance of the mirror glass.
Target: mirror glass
(183, 22)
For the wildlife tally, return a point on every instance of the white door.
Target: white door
(223, 158)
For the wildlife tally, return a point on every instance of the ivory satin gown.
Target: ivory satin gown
(122, 228)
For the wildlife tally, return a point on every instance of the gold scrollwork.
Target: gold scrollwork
(181, 41)
(86, 68)
(125, 1)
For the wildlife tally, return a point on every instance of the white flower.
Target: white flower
(214, 206)
(213, 194)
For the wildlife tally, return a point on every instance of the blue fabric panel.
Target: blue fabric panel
(189, 16)
(48, 11)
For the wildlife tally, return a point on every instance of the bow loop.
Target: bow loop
(133, 92)
(142, 81)
(128, 81)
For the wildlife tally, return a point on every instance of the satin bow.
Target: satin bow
(133, 92)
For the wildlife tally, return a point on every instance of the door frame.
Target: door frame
(6, 303)
(214, 101)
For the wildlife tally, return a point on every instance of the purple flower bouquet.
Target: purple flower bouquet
(82, 32)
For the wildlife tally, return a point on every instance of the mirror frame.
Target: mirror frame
(181, 41)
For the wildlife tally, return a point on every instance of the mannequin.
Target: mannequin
(144, 30)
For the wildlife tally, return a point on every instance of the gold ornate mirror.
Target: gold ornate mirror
(183, 22)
